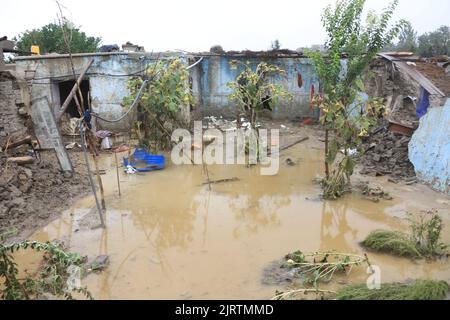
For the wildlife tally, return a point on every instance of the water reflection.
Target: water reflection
(168, 236)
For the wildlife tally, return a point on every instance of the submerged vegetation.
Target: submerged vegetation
(422, 241)
(417, 290)
(52, 278)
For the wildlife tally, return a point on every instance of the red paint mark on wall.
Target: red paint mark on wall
(311, 96)
(299, 80)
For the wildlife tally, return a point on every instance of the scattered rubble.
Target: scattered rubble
(372, 192)
(32, 193)
(386, 154)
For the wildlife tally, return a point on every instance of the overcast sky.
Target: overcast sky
(196, 25)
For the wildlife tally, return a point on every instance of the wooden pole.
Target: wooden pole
(327, 166)
(91, 144)
(100, 183)
(74, 90)
(117, 172)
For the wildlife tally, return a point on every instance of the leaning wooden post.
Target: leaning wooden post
(100, 182)
(117, 172)
(91, 144)
(74, 90)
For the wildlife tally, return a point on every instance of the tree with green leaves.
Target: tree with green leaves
(160, 106)
(50, 39)
(435, 43)
(253, 91)
(276, 45)
(407, 38)
(346, 118)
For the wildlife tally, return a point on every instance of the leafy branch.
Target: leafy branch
(51, 278)
(161, 102)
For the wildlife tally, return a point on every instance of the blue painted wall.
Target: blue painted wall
(211, 76)
(107, 76)
(108, 79)
(429, 148)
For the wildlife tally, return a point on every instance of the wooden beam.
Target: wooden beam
(290, 145)
(74, 90)
(400, 128)
(21, 160)
(26, 140)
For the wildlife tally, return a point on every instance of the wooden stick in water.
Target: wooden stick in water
(117, 172)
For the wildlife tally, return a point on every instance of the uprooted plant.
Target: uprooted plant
(417, 290)
(52, 278)
(317, 267)
(345, 116)
(161, 104)
(422, 241)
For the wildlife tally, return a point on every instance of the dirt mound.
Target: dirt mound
(436, 74)
(387, 155)
(31, 195)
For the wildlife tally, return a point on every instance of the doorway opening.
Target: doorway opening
(64, 90)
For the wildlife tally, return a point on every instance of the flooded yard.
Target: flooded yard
(169, 237)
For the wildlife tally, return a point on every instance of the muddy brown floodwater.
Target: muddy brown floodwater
(169, 237)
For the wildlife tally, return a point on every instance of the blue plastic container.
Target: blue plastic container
(143, 161)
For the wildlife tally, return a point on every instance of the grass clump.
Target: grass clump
(417, 290)
(423, 239)
(392, 242)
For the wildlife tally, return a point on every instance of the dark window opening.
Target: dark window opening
(64, 90)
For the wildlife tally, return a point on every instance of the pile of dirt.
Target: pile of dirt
(436, 74)
(386, 154)
(33, 194)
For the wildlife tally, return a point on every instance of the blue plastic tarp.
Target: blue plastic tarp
(424, 103)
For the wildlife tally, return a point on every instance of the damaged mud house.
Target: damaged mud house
(35, 87)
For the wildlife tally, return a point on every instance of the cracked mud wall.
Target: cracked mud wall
(13, 108)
